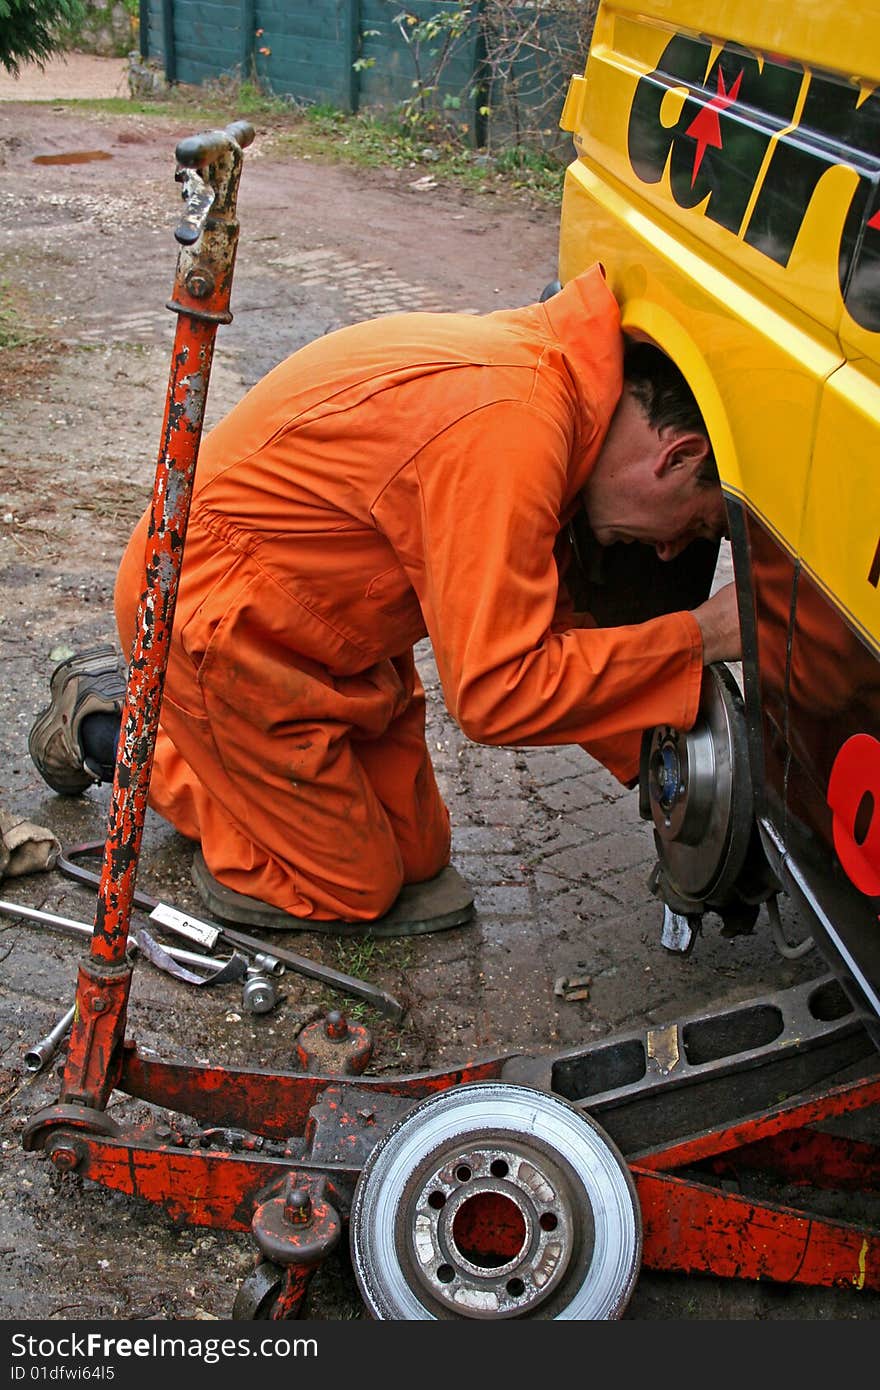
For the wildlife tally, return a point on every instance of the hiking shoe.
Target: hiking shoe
(91, 683)
(434, 905)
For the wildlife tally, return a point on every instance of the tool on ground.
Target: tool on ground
(171, 959)
(42, 1052)
(259, 993)
(207, 934)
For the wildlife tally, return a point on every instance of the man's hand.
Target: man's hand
(718, 618)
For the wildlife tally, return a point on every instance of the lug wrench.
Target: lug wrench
(235, 968)
(208, 933)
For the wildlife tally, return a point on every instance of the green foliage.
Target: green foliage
(32, 30)
(376, 140)
(430, 44)
(529, 168)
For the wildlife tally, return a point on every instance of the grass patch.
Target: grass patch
(361, 955)
(371, 139)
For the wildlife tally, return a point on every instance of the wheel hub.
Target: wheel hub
(490, 1231)
(697, 791)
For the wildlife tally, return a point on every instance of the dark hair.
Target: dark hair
(665, 397)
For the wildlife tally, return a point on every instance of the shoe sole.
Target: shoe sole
(435, 905)
(92, 662)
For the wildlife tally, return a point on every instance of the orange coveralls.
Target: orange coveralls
(400, 478)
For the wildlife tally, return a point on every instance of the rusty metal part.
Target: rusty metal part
(496, 1201)
(258, 1292)
(93, 1064)
(295, 1232)
(698, 1110)
(42, 1052)
(40, 1130)
(692, 1226)
(334, 1046)
(298, 1227)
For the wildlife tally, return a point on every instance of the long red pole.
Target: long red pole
(209, 167)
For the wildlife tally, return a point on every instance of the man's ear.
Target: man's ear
(686, 450)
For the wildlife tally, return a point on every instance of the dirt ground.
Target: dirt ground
(555, 849)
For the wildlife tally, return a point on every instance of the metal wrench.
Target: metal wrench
(335, 979)
(221, 971)
(43, 1051)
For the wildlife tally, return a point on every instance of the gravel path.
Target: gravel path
(71, 75)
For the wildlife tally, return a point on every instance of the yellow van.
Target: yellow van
(727, 175)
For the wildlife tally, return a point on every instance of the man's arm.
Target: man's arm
(718, 620)
(475, 517)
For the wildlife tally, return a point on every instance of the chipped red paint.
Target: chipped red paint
(215, 1188)
(208, 237)
(795, 1115)
(272, 1105)
(692, 1228)
(809, 1158)
(689, 1224)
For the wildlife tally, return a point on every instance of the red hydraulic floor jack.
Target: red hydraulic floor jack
(490, 1190)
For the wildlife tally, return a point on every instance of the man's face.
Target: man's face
(668, 518)
(644, 487)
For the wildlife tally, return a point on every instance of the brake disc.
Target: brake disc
(700, 793)
(493, 1200)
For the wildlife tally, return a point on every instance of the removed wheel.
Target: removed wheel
(495, 1201)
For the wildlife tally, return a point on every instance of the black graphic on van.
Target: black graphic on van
(752, 139)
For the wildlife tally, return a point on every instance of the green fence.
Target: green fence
(501, 81)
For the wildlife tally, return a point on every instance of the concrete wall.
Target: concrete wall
(109, 29)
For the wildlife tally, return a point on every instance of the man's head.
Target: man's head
(655, 479)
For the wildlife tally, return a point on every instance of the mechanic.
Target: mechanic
(408, 476)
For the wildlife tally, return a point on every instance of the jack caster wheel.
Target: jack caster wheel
(258, 1292)
(495, 1201)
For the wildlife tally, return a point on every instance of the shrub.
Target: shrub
(33, 30)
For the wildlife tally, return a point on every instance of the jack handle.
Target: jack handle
(200, 299)
(207, 168)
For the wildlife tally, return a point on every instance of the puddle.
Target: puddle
(77, 157)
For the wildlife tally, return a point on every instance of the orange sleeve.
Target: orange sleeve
(489, 492)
